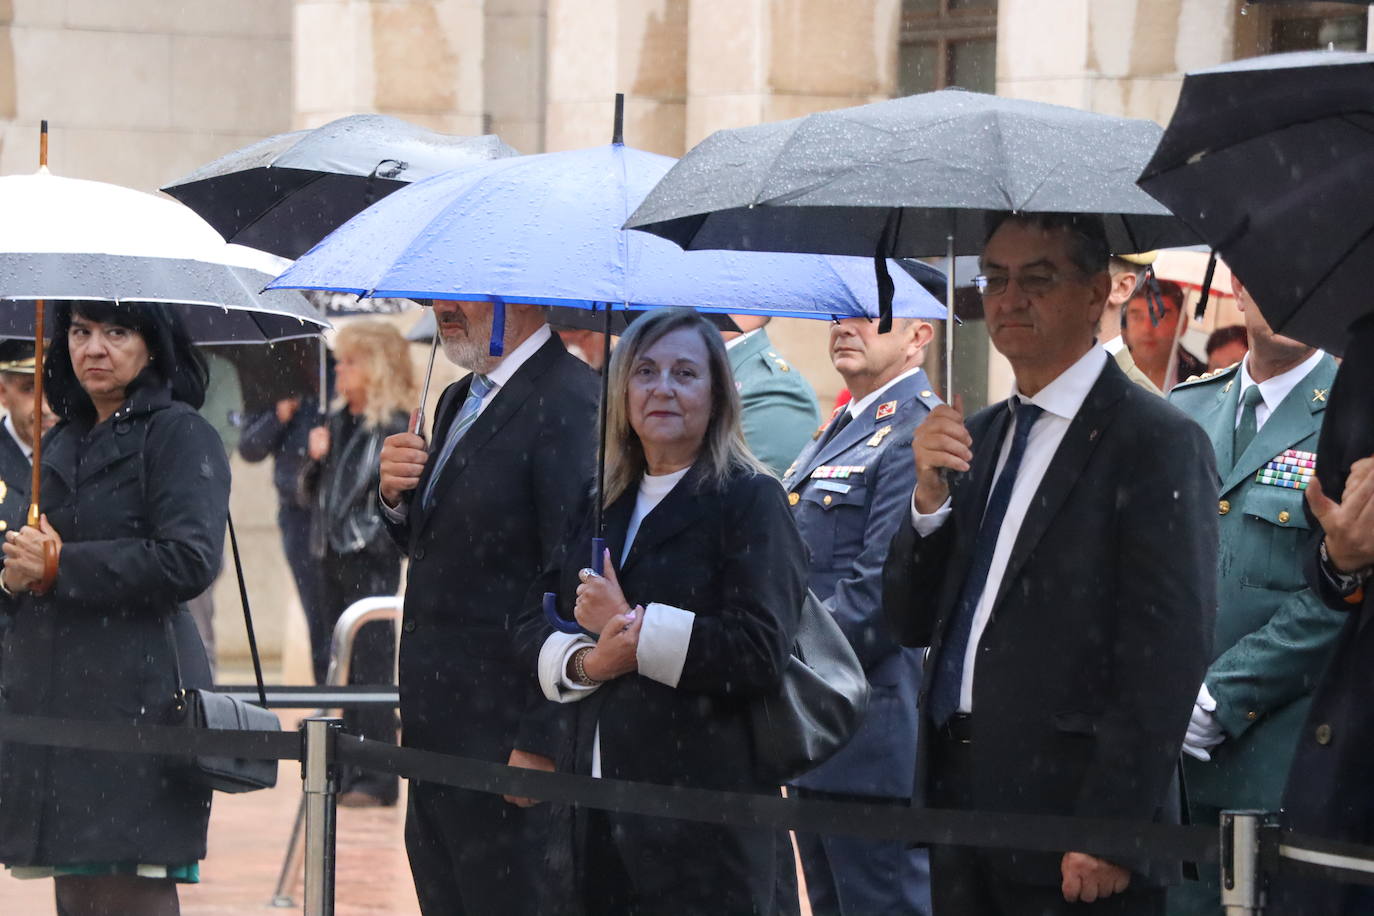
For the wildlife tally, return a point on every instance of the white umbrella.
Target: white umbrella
(67, 238)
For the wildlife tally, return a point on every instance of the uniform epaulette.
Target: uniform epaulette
(776, 362)
(1214, 376)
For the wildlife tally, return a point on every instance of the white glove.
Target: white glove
(1204, 731)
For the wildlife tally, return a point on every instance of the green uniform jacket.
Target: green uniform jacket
(1273, 633)
(780, 411)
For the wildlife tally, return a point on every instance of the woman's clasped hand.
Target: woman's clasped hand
(25, 550)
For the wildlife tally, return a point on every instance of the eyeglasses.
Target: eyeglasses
(1036, 284)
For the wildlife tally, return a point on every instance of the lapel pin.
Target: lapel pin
(1227, 387)
(1092, 435)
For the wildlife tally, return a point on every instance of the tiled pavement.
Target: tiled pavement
(248, 835)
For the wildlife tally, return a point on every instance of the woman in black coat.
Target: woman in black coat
(135, 497)
(696, 615)
(355, 557)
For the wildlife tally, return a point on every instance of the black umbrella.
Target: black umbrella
(1269, 159)
(909, 177)
(287, 192)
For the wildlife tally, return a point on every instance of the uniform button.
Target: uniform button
(793, 498)
(1252, 715)
(408, 626)
(1283, 517)
(828, 499)
(927, 393)
(1323, 734)
(419, 553)
(1224, 506)
(3, 524)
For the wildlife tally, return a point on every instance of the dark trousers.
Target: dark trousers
(294, 523)
(343, 580)
(962, 881)
(473, 853)
(852, 876)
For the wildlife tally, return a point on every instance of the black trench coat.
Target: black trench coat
(140, 502)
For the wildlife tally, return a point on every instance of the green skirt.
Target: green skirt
(187, 873)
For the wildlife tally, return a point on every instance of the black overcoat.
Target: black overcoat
(729, 553)
(140, 502)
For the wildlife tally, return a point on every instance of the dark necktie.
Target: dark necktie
(1247, 427)
(949, 666)
(840, 423)
(467, 415)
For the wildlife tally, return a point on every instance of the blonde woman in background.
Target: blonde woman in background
(355, 557)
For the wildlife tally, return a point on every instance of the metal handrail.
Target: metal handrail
(354, 618)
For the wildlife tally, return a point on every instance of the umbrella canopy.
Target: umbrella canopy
(1269, 159)
(287, 192)
(563, 319)
(66, 238)
(897, 177)
(546, 230)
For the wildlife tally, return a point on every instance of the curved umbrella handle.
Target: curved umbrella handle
(599, 556)
(555, 619)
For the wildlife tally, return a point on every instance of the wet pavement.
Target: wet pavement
(248, 837)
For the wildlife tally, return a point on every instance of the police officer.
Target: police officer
(848, 490)
(779, 405)
(1273, 634)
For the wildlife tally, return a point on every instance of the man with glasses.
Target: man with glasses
(848, 490)
(1062, 667)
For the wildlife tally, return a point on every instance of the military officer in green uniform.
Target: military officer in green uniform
(1273, 633)
(780, 410)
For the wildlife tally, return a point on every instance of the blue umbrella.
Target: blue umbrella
(546, 230)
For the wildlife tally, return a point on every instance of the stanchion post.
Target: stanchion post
(319, 773)
(1242, 875)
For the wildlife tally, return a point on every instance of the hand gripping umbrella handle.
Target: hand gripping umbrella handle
(551, 614)
(44, 585)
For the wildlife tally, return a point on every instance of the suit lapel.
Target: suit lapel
(506, 401)
(683, 505)
(1285, 425)
(444, 413)
(1082, 437)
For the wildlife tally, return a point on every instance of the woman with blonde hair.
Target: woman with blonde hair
(694, 615)
(375, 391)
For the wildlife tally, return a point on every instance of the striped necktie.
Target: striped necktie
(481, 385)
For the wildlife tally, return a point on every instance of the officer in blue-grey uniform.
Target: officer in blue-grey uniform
(778, 405)
(848, 490)
(1273, 633)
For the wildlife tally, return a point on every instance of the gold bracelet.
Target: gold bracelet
(580, 675)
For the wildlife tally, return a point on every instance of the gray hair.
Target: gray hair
(722, 446)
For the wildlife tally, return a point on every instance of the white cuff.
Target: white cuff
(926, 525)
(1205, 699)
(553, 667)
(396, 516)
(663, 642)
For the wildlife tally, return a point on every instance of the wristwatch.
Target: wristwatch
(1344, 584)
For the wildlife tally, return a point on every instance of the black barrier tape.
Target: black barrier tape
(1125, 840)
(149, 739)
(1296, 853)
(1314, 857)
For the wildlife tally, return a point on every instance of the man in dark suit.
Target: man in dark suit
(848, 490)
(1063, 666)
(479, 513)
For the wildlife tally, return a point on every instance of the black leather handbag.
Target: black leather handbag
(198, 708)
(820, 704)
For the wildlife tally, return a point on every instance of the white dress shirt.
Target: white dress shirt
(498, 377)
(1060, 400)
(1273, 390)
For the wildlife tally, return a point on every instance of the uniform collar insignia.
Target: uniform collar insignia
(828, 420)
(1318, 394)
(885, 410)
(877, 439)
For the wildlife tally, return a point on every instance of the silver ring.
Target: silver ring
(586, 573)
